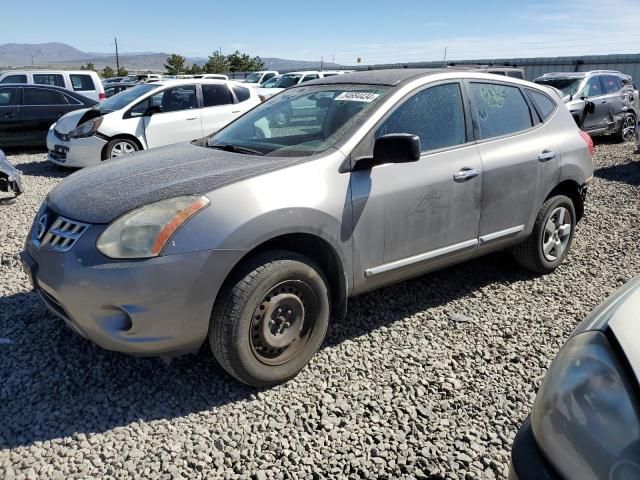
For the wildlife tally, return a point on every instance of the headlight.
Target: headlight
(88, 128)
(143, 232)
(584, 417)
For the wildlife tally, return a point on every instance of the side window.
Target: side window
(309, 77)
(9, 96)
(593, 88)
(544, 105)
(268, 76)
(611, 84)
(14, 79)
(54, 79)
(435, 114)
(241, 93)
(216, 94)
(41, 96)
(72, 101)
(501, 109)
(169, 100)
(82, 83)
(514, 74)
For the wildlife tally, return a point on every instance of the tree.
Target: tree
(175, 64)
(123, 72)
(195, 69)
(88, 66)
(241, 62)
(107, 72)
(217, 63)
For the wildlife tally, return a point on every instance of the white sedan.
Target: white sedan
(147, 116)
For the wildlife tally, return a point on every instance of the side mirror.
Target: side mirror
(396, 148)
(152, 110)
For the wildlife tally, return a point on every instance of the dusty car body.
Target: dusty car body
(9, 180)
(273, 227)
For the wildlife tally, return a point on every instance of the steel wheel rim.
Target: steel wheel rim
(282, 322)
(628, 128)
(121, 148)
(556, 234)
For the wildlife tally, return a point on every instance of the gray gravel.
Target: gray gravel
(427, 379)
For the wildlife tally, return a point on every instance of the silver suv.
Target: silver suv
(255, 237)
(602, 102)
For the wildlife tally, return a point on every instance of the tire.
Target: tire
(270, 318)
(549, 229)
(119, 147)
(627, 130)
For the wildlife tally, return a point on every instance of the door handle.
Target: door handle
(9, 115)
(603, 101)
(547, 155)
(466, 174)
(236, 111)
(192, 118)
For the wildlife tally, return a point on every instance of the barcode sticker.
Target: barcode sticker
(357, 97)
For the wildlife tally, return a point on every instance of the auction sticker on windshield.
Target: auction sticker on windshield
(357, 97)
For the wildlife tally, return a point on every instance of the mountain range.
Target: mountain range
(61, 55)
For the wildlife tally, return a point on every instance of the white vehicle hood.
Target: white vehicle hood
(68, 122)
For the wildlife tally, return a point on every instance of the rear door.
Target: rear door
(9, 112)
(218, 107)
(41, 107)
(519, 158)
(179, 118)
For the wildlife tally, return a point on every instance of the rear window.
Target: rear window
(82, 83)
(54, 79)
(41, 96)
(216, 94)
(544, 105)
(501, 109)
(514, 74)
(14, 79)
(242, 93)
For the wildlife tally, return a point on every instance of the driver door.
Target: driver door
(409, 218)
(178, 120)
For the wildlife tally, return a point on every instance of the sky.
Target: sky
(374, 31)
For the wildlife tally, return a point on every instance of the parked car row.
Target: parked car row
(84, 82)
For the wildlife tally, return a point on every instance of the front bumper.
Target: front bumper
(156, 306)
(80, 152)
(527, 461)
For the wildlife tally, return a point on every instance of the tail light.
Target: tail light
(102, 96)
(587, 138)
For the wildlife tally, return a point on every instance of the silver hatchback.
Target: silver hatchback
(255, 237)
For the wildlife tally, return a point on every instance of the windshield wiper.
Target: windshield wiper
(236, 149)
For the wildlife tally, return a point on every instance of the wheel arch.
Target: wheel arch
(124, 136)
(573, 190)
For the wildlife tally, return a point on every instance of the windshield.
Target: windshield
(253, 78)
(298, 122)
(124, 98)
(270, 83)
(287, 81)
(568, 86)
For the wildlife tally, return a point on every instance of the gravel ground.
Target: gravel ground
(426, 379)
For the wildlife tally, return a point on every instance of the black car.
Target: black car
(111, 89)
(27, 111)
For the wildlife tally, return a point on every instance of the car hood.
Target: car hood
(102, 193)
(68, 122)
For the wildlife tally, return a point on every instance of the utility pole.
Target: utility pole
(33, 63)
(444, 60)
(321, 62)
(117, 58)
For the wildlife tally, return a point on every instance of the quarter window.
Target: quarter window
(216, 94)
(593, 88)
(501, 109)
(310, 77)
(82, 83)
(435, 114)
(54, 79)
(544, 105)
(14, 79)
(40, 96)
(9, 96)
(242, 93)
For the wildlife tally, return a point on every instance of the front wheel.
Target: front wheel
(270, 319)
(552, 235)
(119, 147)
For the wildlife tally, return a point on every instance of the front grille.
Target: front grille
(59, 236)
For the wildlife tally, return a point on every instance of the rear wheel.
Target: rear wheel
(627, 128)
(270, 319)
(119, 147)
(552, 235)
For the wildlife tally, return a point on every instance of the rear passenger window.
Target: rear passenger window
(40, 97)
(216, 94)
(241, 93)
(14, 79)
(611, 84)
(501, 109)
(9, 96)
(82, 83)
(435, 114)
(514, 74)
(54, 79)
(544, 105)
